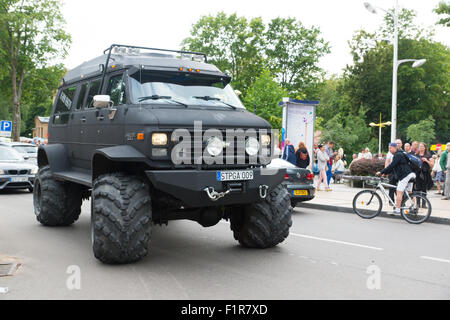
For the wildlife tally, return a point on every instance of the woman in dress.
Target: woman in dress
(424, 181)
(322, 159)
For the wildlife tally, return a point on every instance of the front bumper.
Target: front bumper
(189, 186)
(308, 187)
(6, 183)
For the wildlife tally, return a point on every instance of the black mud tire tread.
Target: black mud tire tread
(263, 224)
(59, 203)
(121, 218)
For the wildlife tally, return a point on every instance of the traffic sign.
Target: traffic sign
(5, 128)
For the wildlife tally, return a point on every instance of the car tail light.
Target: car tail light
(286, 177)
(310, 176)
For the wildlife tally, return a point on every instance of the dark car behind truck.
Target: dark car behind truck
(155, 135)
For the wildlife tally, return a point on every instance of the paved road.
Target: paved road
(327, 256)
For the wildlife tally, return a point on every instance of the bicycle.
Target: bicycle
(411, 209)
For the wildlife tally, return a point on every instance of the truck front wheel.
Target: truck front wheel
(263, 224)
(121, 218)
(56, 203)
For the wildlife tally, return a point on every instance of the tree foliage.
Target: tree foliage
(244, 48)
(422, 131)
(31, 36)
(444, 10)
(266, 94)
(424, 91)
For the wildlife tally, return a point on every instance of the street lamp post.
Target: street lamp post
(380, 125)
(396, 63)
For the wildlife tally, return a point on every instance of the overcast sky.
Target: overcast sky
(96, 24)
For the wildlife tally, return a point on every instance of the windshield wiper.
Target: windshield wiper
(209, 98)
(157, 97)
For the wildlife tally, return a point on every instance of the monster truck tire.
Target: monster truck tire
(56, 203)
(263, 224)
(121, 218)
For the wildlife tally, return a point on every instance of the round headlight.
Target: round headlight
(252, 146)
(214, 146)
(34, 170)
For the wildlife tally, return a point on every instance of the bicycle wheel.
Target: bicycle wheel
(416, 209)
(367, 204)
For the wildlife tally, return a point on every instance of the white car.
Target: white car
(27, 151)
(15, 172)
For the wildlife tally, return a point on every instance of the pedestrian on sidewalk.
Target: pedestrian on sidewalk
(338, 168)
(302, 156)
(322, 159)
(289, 152)
(445, 163)
(414, 147)
(331, 155)
(438, 172)
(424, 181)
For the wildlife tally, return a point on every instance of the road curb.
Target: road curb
(436, 220)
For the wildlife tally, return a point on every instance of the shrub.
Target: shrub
(366, 167)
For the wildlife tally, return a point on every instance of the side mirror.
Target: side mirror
(102, 101)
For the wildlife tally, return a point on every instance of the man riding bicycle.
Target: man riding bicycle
(402, 171)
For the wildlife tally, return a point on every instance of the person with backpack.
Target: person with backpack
(392, 178)
(401, 168)
(302, 156)
(424, 181)
(289, 152)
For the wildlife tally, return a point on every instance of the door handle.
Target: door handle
(83, 119)
(100, 118)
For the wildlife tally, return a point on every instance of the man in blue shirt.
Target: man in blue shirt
(289, 153)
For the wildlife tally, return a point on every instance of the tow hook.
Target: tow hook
(214, 195)
(263, 191)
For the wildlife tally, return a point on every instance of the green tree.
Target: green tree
(293, 53)
(266, 94)
(422, 131)
(31, 35)
(444, 9)
(422, 91)
(243, 48)
(234, 44)
(349, 132)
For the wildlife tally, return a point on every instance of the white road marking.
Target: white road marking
(336, 241)
(329, 240)
(435, 259)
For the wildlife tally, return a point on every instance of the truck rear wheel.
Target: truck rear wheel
(263, 224)
(121, 218)
(56, 203)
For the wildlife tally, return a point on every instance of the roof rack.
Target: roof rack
(109, 50)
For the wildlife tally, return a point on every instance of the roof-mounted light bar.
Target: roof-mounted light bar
(135, 50)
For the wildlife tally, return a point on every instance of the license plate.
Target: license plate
(19, 179)
(234, 175)
(300, 192)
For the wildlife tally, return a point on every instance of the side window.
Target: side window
(81, 96)
(93, 91)
(116, 90)
(63, 105)
(65, 100)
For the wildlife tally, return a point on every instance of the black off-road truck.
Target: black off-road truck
(154, 135)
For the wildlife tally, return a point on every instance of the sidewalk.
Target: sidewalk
(341, 199)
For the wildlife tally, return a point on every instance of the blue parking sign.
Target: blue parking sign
(5, 128)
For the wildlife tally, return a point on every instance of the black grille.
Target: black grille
(232, 156)
(18, 172)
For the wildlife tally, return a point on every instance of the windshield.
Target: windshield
(155, 87)
(25, 149)
(9, 154)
